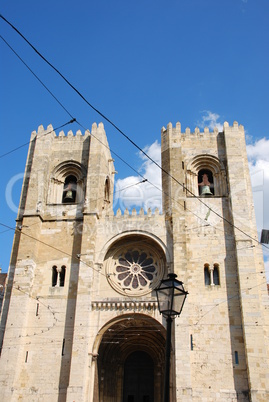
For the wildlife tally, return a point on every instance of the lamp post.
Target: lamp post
(171, 297)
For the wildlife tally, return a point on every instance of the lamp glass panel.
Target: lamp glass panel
(165, 297)
(179, 299)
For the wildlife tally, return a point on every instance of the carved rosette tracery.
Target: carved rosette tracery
(134, 270)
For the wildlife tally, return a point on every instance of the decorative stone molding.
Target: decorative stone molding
(124, 305)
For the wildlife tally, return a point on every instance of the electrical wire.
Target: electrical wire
(41, 82)
(101, 273)
(125, 135)
(43, 135)
(101, 114)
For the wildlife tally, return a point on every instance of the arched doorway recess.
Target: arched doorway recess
(131, 360)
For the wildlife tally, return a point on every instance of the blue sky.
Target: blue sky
(141, 63)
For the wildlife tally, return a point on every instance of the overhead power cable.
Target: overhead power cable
(101, 273)
(141, 150)
(125, 135)
(43, 135)
(41, 82)
(71, 121)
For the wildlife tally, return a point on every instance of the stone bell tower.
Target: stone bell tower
(211, 229)
(68, 183)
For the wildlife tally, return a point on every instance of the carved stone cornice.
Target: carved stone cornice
(112, 305)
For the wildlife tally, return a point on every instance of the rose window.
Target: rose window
(135, 271)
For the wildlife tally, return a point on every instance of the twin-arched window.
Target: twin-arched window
(211, 275)
(58, 276)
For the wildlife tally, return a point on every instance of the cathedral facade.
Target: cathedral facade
(80, 320)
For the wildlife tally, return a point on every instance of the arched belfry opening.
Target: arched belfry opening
(205, 176)
(70, 190)
(67, 183)
(130, 361)
(205, 182)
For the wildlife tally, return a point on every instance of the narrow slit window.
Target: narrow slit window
(62, 275)
(216, 275)
(236, 358)
(54, 275)
(207, 275)
(107, 191)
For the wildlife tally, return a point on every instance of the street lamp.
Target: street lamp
(171, 297)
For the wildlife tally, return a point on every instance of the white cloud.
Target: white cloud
(210, 120)
(131, 193)
(259, 151)
(258, 156)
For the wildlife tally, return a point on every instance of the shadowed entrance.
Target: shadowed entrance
(138, 384)
(131, 361)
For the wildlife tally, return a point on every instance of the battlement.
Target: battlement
(96, 131)
(176, 131)
(141, 212)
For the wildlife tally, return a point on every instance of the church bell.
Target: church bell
(69, 196)
(206, 191)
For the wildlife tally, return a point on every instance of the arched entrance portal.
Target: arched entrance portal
(131, 360)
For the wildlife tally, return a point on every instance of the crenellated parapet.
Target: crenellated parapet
(97, 131)
(176, 131)
(173, 136)
(134, 213)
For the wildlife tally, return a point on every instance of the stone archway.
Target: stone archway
(132, 341)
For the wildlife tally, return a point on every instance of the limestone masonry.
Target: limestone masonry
(80, 320)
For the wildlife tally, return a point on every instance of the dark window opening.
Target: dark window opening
(70, 190)
(236, 358)
(62, 275)
(58, 274)
(107, 191)
(205, 183)
(207, 275)
(216, 275)
(54, 276)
